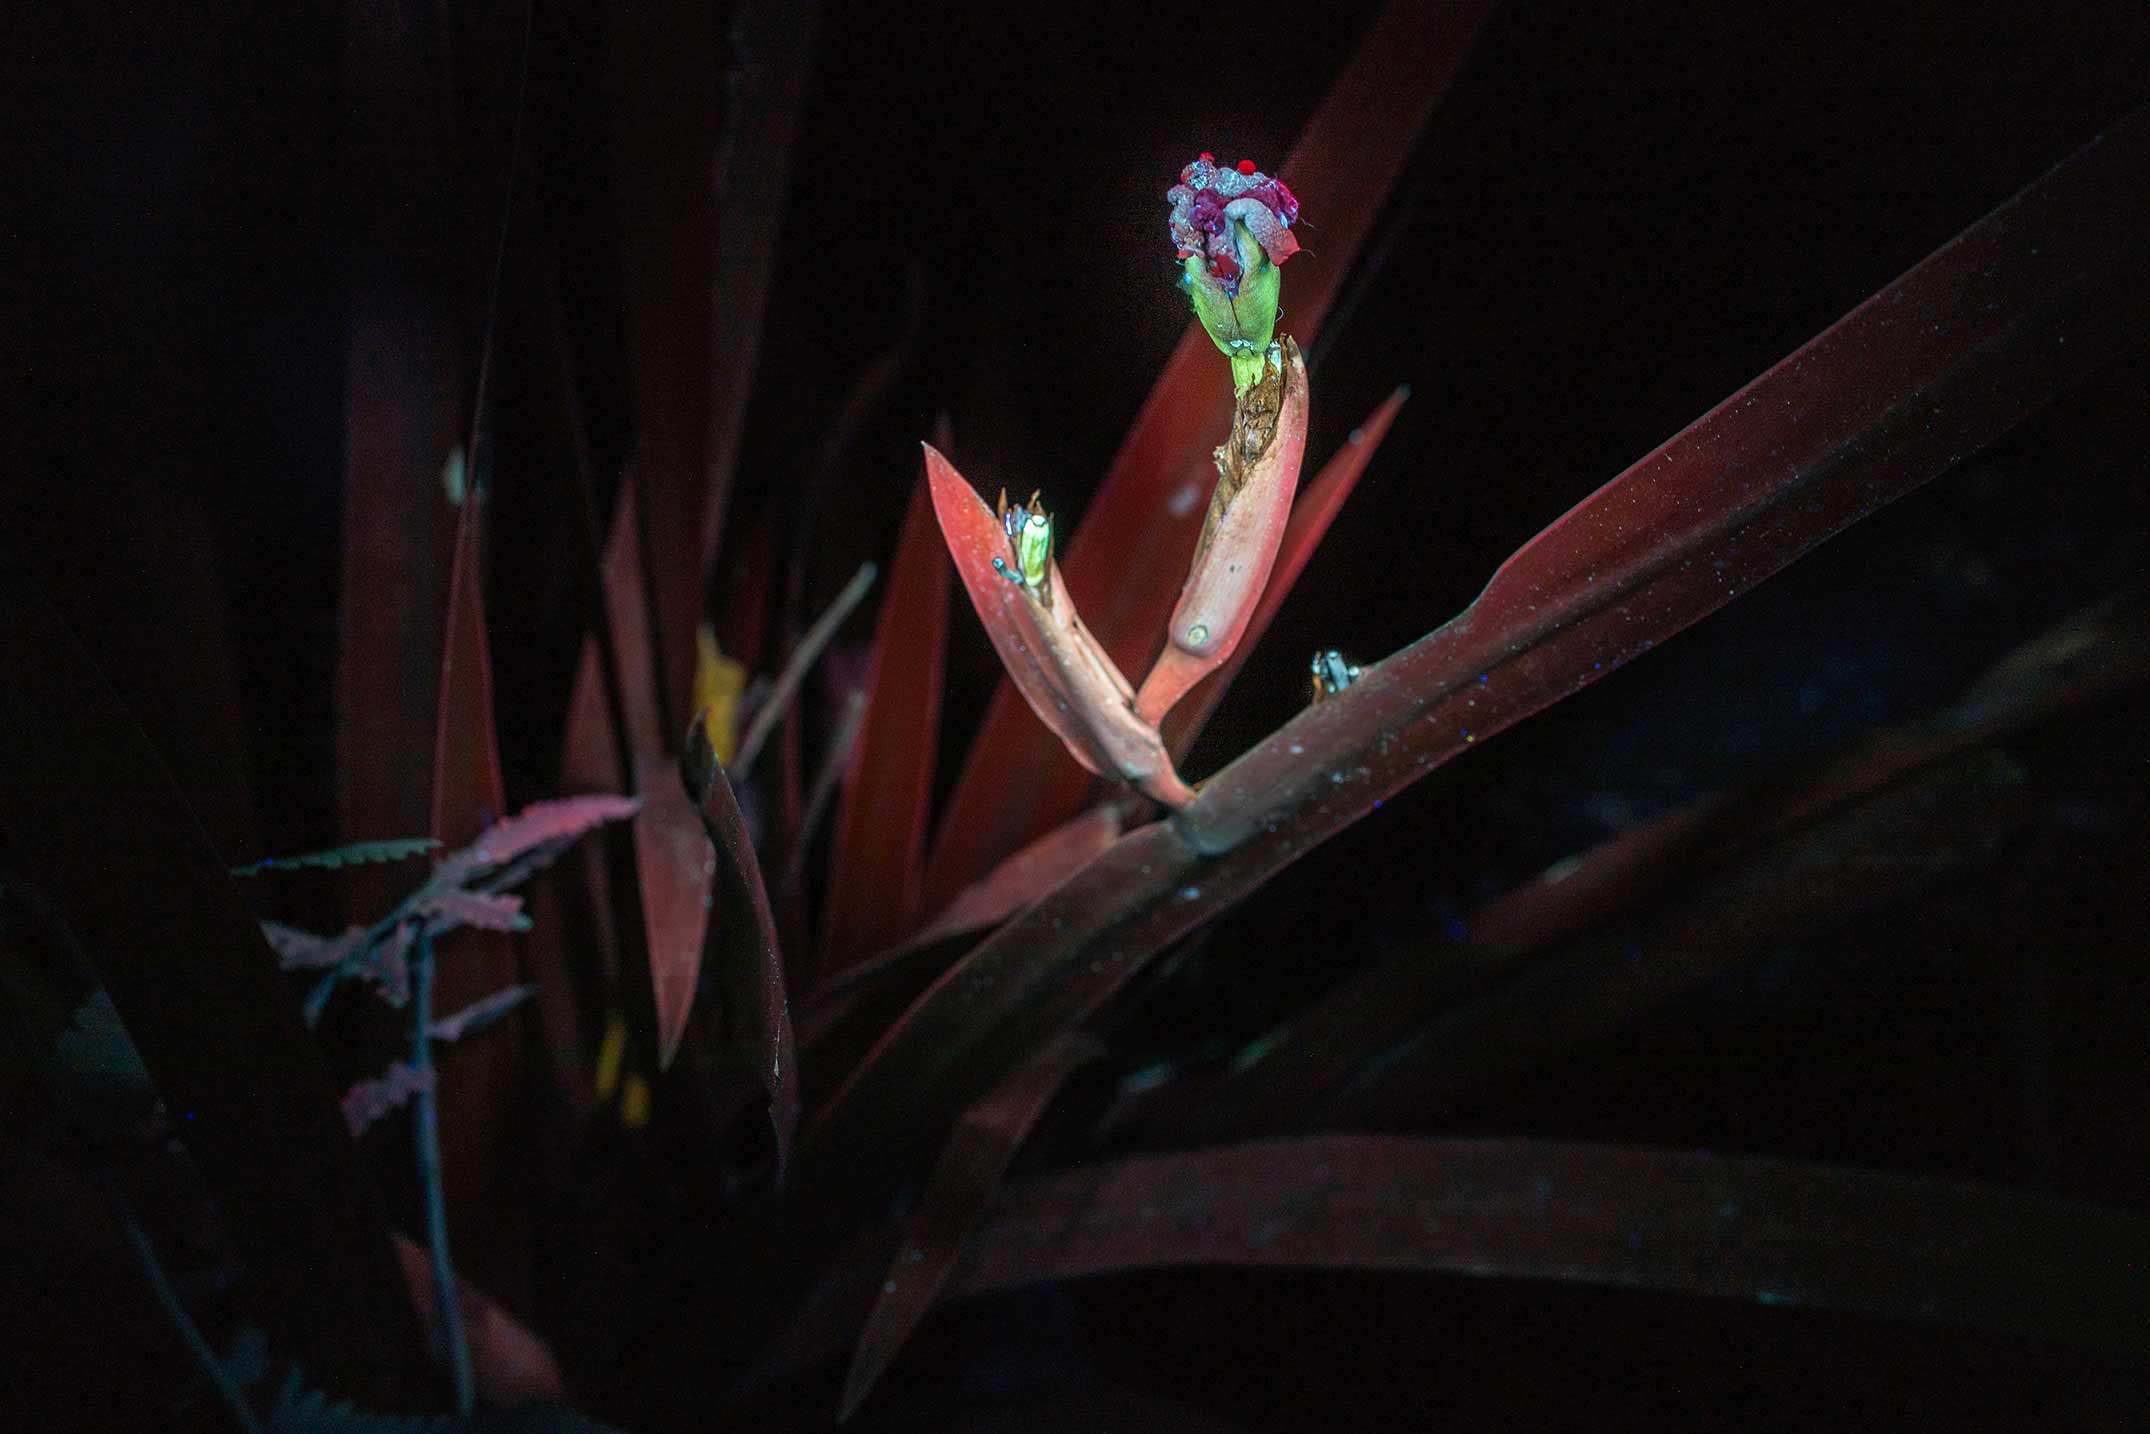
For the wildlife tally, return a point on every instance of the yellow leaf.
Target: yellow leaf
(719, 683)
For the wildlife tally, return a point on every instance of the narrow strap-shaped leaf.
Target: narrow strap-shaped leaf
(468, 793)
(878, 860)
(88, 808)
(769, 58)
(1749, 1228)
(542, 824)
(962, 1185)
(1130, 555)
(373, 1098)
(481, 1086)
(356, 853)
(1027, 875)
(485, 910)
(298, 950)
(752, 1027)
(703, 135)
(2096, 652)
(403, 415)
(481, 1014)
(666, 73)
(1800, 886)
(1319, 503)
(677, 869)
(1944, 359)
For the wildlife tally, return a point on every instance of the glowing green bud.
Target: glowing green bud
(1034, 547)
(1239, 325)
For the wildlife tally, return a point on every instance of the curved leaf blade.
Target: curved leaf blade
(962, 1185)
(357, 853)
(677, 869)
(1750, 1228)
(1782, 823)
(481, 1086)
(754, 1024)
(878, 861)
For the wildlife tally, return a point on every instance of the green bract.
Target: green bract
(1239, 326)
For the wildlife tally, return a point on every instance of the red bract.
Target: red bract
(1257, 474)
(1061, 671)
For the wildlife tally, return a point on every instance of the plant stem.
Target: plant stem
(802, 658)
(425, 1126)
(145, 1254)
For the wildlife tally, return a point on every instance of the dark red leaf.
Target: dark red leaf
(1779, 846)
(870, 995)
(1319, 503)
(666, 79)
(1129, 558)
(703, 127)
(877, 864)
(403, 413)
(588, 763)
(1755, 1229)
(845, 1016)
(468, 794)
(1941, 361)
(753, 1020)
(1800, 887)
(749, 585)
(1027, 875)
(677, 869)
(963, 1183)
(482, 1084)
(768, 56)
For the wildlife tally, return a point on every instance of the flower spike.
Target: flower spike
(1230, 229)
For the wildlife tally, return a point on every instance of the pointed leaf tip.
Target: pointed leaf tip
(1069, 682)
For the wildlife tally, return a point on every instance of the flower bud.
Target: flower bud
(1232, 228)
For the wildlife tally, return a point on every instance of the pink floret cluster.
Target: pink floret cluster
(1209, 196)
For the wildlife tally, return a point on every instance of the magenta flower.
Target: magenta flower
(1206, 201)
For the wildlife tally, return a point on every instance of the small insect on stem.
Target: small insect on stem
(1332, 674)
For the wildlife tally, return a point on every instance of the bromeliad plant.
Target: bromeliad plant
(1233, 227)
(838, 1076)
